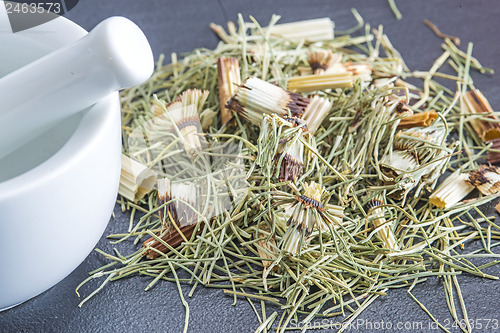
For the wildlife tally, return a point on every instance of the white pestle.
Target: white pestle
(113, 56)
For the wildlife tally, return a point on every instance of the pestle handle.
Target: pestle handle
(113, 56)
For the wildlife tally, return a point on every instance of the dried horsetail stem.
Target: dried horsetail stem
(400, 106)
(422, 119)
(164, 190)
(176, 121)
(486, 179)
(412, 155)
(315, 112)
(309, 30)
(178, 200)
(308, 212)
(375, 214)
(392, 164)
(173, 238)
(194, 97)
(136, 179)
(321, 60)
(228, 77)
(280, 144)
(359, 70)
(188, 122)
(309, 83)
(184, 111)
(207, 118)
(494, 156)
(292, 165)
(474, 102)
(438, 32)
(220, 32)
(158, 108)
(451, 190)
(265, 247)
(256, 97)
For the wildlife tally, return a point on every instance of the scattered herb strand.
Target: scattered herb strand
(395, 10)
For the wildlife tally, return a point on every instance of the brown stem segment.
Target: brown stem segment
(172, 238)
(494, 156)
(422, 119)
(270, 246)
(438, 33)
(228, 76)
(474, 102)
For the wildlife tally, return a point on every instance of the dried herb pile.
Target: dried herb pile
(320, 184)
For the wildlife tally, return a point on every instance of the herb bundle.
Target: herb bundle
(316, 185)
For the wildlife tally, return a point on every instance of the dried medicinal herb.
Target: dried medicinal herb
(256, 97)
(228, 78)
(318, 199)
(486, 127)
(422, 119)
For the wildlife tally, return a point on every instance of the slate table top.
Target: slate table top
(180, 26)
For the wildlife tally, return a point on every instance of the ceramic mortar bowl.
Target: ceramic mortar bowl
(58, 191)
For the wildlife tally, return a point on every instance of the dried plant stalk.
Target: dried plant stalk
(173, 211)
(256, 97)
(308, 83)
(321, 60)
(451, 190)
(375, 214)
(422, 119)
(416, 156)
(281, 141)
(315, 112)
(359, 70)
(292, 165)
(228, 75)
(308, 212)
(400, 106)
(486, 179)
(157, 108)
(172, 238)
(309, 30)
(207, 118)
(474, 102)
(264, 247)
(220, 32)
(322, 66)
(438, 32)
(136, 179)
(163, 198)
(183, 196)
(185, 112)
(494, 156)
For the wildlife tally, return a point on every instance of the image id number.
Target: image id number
(478, 324)
(33, 8)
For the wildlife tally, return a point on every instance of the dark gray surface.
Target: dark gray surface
(181, 26)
